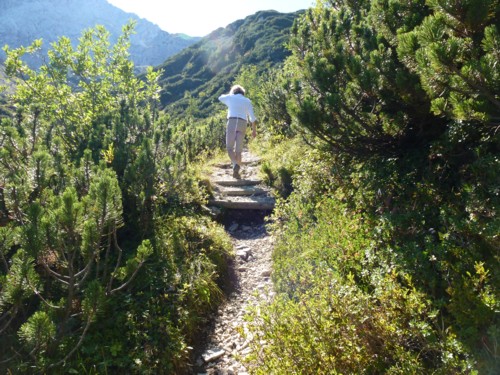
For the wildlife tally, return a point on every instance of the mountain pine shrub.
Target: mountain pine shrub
(402, 99)
(106, 264)
(344, 305)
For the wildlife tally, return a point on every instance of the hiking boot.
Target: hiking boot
(236, 171)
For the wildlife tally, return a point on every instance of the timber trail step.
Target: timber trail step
(247, 193)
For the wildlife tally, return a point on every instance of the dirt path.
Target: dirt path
(251, 270)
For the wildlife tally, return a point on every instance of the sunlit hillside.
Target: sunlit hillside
(209, 67)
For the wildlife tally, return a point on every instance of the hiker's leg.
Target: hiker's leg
(241, 129)
(231, 139)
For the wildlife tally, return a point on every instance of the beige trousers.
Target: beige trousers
(235, 135)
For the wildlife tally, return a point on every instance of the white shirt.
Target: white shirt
(238, 106)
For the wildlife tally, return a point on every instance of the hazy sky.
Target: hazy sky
(200, 17)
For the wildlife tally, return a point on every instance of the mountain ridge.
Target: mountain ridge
(21, 23)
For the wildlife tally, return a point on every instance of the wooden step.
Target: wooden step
(235, 182)
(226, 165)
(245, 203)
(238, 191)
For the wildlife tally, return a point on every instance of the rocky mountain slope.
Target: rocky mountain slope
(21, 22)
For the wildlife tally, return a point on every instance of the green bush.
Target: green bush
(106, 264)
(344, 306)
(400, 97)
(149, 329)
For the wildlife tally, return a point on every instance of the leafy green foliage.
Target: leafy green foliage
(352, 92)
(344, 301)
(454, 52)
(383, 127)
(158, 319)
(4, 87)
(21, 283)
(399, 100)
(89, 172)
(37, 332)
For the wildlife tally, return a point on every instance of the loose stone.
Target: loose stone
(212, 355)
(242, 254)
(266, 273)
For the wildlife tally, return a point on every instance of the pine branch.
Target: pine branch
(78, 344)
(85, 269)
(118, 261)
(124, 285)
(37, 293)
(12, 316)
(106, 257)
(55, 275)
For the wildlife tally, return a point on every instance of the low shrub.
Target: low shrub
(150, 329)
(344, 306)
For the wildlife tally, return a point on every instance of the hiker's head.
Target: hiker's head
(237, 89)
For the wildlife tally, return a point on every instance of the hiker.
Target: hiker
(239, 112)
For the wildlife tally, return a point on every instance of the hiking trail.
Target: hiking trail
(247, 203)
